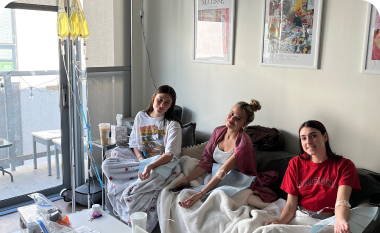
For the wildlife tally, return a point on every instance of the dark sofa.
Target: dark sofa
(278, 161)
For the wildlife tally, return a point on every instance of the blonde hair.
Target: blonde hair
(249, 109)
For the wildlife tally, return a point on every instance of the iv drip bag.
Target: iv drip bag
(83, 29)
(62, 21)
(74, 19)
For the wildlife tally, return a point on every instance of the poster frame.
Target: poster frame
(277, 57)
(227, 59)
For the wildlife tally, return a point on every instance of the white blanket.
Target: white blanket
(127, 193)
(221, 213)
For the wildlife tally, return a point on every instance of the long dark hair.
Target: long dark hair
(169, 114)
(319, 126)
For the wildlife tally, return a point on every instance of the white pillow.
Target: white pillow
(194, 151)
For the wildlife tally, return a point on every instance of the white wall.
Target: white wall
(109, 26)
(137, 83)
(337, 94)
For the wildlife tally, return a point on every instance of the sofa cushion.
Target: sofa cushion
(274, 161)
(194, 151)
(188, 134)
(201, 137)
(369, 183)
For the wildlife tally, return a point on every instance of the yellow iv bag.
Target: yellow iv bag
(74, 20)
(83, 29)
(62, 21)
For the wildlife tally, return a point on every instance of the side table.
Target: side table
(44, 137)
(104, 149)
(106, 223)
(57, 146)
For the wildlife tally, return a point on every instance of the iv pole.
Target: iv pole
(70, 88)
(72, 154)
(77, 29)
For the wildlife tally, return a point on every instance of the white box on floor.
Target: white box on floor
(28, 214)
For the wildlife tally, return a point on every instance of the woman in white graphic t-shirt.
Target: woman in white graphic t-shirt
(156, 130)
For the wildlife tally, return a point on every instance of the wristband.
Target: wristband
(201, 192)
(343, 203)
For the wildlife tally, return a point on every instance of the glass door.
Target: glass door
(33, 106)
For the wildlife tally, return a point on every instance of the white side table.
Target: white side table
(57, 146)
(104, 149)
(104, 224)
(44, 137)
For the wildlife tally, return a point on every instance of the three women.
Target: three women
(317, 181)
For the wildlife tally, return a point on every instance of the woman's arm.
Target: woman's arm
(213, 182)
(342, 211)
(173, 139)
(288, 212)
(198, 171)
(138, 154)
(134, 140)
(165, 158)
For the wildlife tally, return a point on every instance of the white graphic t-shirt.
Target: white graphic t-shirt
(155, 136)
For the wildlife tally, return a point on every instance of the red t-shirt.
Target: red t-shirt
(316, 184)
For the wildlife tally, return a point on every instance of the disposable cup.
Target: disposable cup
(139, 230)
(138, 219)
(96, 208)
(104, 129)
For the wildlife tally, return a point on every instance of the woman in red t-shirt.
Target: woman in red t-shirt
(318, 181)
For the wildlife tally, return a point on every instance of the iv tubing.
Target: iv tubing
(87, 127)
(89, 135)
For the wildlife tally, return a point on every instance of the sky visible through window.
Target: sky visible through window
(36, 46)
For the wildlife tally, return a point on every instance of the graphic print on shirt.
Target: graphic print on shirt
(153, 140)
(318, 181)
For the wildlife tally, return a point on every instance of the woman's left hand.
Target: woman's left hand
(190, 201)
(341, 226)
(146, 174)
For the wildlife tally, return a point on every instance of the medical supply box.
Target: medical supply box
(28, 214)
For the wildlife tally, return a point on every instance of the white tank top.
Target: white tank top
(220, 156)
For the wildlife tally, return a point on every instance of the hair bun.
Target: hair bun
(255, 105)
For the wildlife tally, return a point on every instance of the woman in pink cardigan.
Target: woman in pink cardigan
(228, 146)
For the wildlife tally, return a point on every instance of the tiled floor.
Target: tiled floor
(26, 179)
(10, 223)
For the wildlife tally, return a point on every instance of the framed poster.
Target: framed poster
(371, 51)
(213, 31)
(290, 33)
